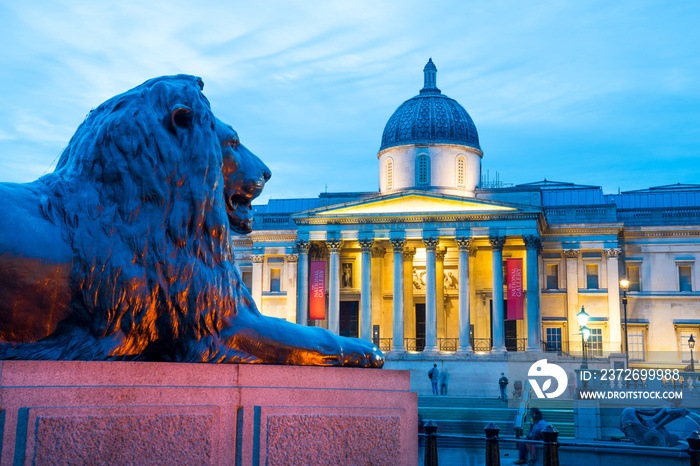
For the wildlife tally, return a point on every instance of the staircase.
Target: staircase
(469, 416)
(558, 413)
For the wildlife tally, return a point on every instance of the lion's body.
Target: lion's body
(124, 252)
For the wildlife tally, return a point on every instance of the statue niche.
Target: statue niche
(124, 252)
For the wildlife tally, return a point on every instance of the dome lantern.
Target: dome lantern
(430, 78)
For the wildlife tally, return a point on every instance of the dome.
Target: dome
(430, 117)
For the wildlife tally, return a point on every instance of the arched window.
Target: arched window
(390, 174)
(461, 171)
(422, 170)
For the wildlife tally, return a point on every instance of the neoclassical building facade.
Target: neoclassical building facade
(420, 266)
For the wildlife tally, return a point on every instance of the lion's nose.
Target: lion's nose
(266, 174)
(254, 187)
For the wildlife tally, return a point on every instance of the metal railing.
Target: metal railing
(482, 344)
(414, 344)
(550, 445)
(448, 344)
(383, 344)
(516, 344)
(599, 349)
(492, 440)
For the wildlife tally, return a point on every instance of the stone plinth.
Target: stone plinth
(166, 413)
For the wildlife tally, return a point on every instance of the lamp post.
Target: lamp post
(585, 333)
(691, 345)
(625, 284)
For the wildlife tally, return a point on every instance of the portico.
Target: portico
(441, 287)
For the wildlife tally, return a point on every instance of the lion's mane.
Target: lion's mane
(144, 211)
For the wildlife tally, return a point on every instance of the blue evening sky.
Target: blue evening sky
(592, 92)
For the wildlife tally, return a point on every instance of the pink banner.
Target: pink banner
(317, 290)
(514, 270)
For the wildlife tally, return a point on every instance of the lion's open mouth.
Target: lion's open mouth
(240, 213)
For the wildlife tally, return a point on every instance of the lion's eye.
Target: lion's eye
(233, 142)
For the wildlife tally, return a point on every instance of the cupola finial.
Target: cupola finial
(430, 78)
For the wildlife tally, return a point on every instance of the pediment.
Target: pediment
(411, 204)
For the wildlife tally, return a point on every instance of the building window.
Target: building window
(595, 342)
(390, 174)
(553, 339)
(592, 276)
(683, 336)
(633, 277)
(685, 282)
(635, 344)
(552, 271)
(461, 169)
(247, 278)
(422, 170)
(275, 279)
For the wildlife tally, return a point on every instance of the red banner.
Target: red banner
(514, 270)
(317, 290)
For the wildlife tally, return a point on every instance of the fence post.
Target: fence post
(431, 456)
(493, 457)
(551, 446)
(694, 448)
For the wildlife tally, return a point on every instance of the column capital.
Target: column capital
(497, 242)
(430, 243)
(397, 244)
(572, 253)
(334, 245)
(613, 253)
(408, 253)
(257, 258)
(302, 246)
(463, 243)
(366, 244)
(378, 251)
(291, 257)
(440, 253)
(532, 242)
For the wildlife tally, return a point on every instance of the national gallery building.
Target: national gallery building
(435, 264)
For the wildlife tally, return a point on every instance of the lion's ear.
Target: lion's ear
(180, 117)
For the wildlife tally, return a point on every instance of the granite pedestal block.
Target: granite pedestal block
(167, 413)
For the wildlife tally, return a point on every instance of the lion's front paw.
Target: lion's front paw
(360, 353)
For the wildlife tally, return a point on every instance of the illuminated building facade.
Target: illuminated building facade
(419, 266)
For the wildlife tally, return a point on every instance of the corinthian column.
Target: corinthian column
(430, 296)
(615, 335)
(303, 282)
(497, 243)
(366, 290)
(534, 324)
(572, 294)
(334, 286)
(257, 277)
(409, 315)
(465, 345)
(397, 316)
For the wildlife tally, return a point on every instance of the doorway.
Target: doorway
(349, 323)
(420, 326)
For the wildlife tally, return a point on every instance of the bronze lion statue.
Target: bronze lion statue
(124, 251)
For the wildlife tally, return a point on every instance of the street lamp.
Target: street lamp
(625, 284)
(585, 333)
(691, 345)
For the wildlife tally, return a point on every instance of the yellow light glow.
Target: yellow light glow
(416, 203)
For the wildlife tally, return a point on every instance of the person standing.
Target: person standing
(434, 375)
(443, 383)
(503, 384)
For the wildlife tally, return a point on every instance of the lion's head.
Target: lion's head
(149, 186)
